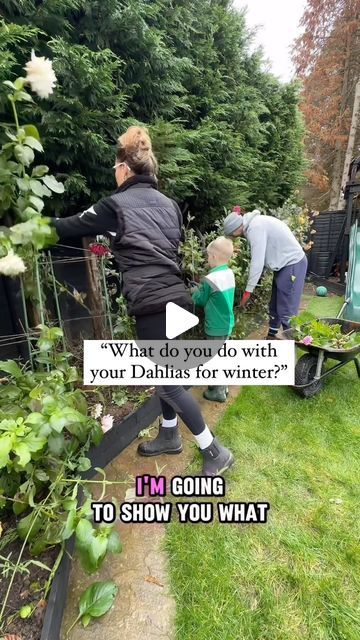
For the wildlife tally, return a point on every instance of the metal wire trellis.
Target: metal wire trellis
(50, 303)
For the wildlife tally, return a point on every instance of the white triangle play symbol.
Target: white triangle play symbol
(178, 320)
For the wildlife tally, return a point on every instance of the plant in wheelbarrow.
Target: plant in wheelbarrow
(325, 338)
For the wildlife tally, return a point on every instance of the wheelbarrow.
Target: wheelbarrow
(310, 372)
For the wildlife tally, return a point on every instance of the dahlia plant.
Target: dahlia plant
(24, 186)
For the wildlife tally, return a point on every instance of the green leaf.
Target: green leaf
(23, 154)
(32, 520)
(10, 366)
(10, 84)
(37, 188)
(31, 130)
(39, 171)
(33, 143)
(114, 543)
(85, 620)
(22, 96)
(58, 421)
(25, 611)
(53, 184)
(56, 443)
(69, 525)
(97, 600)
(84, 531)
(35, 418)
(19, 83)
(22, 451)
(23, 184)
(84, 464)
(6, 442)
(41, 475)
(38, 203)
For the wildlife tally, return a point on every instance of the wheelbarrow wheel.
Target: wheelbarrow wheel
(305, 371)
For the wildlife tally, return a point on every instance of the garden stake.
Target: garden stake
(26, 321)
(57, 300)
(107, 301)
(41, 307)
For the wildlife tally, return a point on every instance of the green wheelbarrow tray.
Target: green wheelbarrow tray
(309, 370)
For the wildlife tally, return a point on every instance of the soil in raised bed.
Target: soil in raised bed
(27, 588)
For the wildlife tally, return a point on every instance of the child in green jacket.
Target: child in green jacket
(216, 295)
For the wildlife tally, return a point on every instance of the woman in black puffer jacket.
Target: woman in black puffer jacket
(145, 227)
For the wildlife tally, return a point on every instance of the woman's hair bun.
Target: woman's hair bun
(136, 138)
(135, 148)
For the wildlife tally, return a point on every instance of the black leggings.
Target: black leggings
(174, 400)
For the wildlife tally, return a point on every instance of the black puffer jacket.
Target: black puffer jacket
(145, 227)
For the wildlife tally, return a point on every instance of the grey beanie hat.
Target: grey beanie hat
(232, 222)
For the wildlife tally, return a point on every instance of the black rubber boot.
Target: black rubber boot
(216, 459)
(168, 440)
(215, 394)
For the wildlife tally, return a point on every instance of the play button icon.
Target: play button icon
(178, 320)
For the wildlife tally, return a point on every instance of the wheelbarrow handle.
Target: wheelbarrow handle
(339, 315)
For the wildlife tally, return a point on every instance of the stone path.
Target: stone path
(144, 608)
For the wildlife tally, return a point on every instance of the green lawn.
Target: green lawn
(297, 577)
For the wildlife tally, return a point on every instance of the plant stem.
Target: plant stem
(18, 561)
(15, 113)
(54, 570)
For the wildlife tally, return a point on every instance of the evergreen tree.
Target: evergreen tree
(225, 130)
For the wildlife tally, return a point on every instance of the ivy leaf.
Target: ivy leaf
(97, 600)
(53, 184)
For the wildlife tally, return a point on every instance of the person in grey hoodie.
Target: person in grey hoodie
(272, 246)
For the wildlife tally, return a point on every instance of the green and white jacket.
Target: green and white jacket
(216, 295)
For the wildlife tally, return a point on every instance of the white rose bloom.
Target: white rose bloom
(11, 265)
(40, 75)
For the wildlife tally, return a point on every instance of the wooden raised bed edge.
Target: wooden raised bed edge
(112, 444)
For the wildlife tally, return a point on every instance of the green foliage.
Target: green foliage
(45, 433)
(96, 601)
(225, 130)
(317, 333)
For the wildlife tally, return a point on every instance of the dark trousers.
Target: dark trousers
(287, 288)
(174, 400)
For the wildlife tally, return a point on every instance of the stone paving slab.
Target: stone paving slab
(144, 608)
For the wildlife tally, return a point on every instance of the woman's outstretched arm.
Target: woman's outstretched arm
(98, 219)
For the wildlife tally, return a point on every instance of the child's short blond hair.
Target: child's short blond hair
(223, 247)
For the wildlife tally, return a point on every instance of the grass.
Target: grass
(298, 576)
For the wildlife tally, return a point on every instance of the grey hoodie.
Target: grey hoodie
(272, 245)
